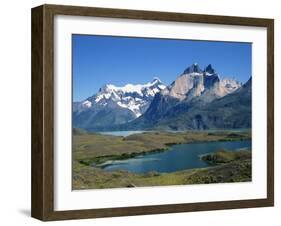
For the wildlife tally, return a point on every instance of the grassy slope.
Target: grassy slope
(90, 148)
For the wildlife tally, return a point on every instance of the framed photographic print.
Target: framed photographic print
(141, 112)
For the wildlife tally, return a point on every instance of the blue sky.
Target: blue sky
(99, 60)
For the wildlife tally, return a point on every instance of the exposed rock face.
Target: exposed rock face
(230, 85)
(186, 83)
(195, 82)
(194, 68)
(197, 99)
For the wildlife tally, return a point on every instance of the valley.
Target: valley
(196, 130)
(92, 150)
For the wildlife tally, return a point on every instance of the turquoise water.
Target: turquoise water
(178, 157)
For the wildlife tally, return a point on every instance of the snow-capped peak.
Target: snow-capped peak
(155, 80)
(87, 104)
(135, 97)
(132, 88)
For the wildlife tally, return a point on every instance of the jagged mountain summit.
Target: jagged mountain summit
(195, 82)
(193, 87)
(114, 105)
(188, 103)
(196, 99)
(233, 111)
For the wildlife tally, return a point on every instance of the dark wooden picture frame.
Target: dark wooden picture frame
(43, 112)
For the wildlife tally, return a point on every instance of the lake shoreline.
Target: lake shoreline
(103, 159)
(239, 171)
(98, 161)
(90, 150)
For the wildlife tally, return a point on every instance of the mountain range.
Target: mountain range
(197, 99)
(114, 105)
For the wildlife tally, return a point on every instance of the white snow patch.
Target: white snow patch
(87, 104)
(162, 86)
(126, 97)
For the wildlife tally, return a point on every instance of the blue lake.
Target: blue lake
(178, 157)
